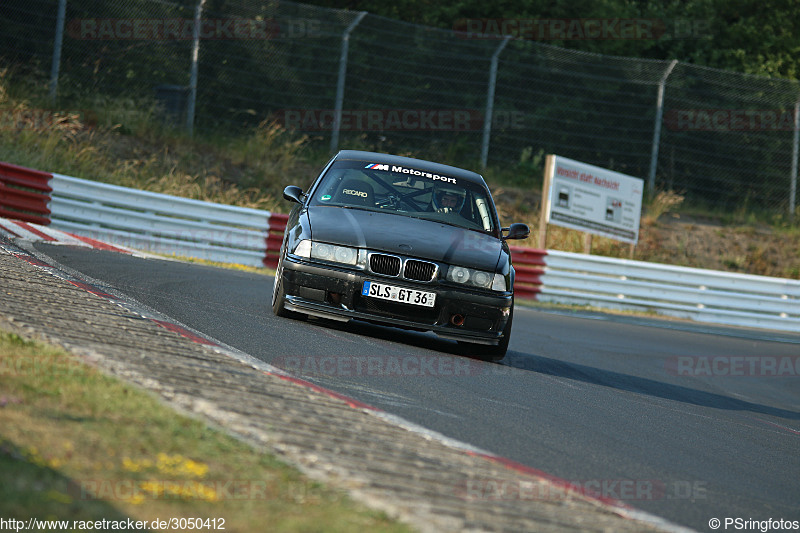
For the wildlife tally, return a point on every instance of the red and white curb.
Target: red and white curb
(37, 233)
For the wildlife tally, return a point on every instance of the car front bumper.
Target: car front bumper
(335, 293)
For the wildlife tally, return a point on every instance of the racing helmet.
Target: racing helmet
(448, 198)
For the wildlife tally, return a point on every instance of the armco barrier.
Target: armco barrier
(192, 228)
(24, 194)
(277, 224)
(159, 222)
(702, 295)
(529, 265)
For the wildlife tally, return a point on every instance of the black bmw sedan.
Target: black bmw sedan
(401, 242)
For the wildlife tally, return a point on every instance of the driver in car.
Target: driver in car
(447, 198)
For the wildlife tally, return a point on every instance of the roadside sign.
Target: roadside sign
(592, 199)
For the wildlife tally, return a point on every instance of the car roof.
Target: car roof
(419, 164)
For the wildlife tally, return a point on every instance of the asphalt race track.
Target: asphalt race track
(605, 403)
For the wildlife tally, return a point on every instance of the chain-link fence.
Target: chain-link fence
(723, 139)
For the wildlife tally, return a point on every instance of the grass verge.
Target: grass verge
(78, 445)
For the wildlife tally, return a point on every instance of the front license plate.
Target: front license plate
(398, 294)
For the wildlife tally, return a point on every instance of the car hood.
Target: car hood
(404, 235)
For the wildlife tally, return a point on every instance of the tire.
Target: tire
(279, 297)
(497, 353)
(494, 353)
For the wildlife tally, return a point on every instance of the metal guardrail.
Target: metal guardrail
(277, 225)
(24, 193)
(529, 267)
(159, 223)
(173, 225)
(702, 295)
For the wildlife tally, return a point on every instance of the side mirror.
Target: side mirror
(517, 231)
(293, 193)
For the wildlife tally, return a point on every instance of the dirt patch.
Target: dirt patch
(746, 249)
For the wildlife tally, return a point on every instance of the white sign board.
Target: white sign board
(593, 199)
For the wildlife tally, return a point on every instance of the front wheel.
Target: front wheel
(279, 297)
(494, 353)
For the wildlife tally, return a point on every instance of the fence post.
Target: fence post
(795, 156)
(58, 41)
(190, 104)
(487, 119)
(651, 180)
(337, 114)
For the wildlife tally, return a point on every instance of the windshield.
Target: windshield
(407, 191)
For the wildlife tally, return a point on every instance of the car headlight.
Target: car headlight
(499, 283)
(458, 274)
(476, 278)
(328, 252)
(482, 279)
(335, 254)
(303, 249)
